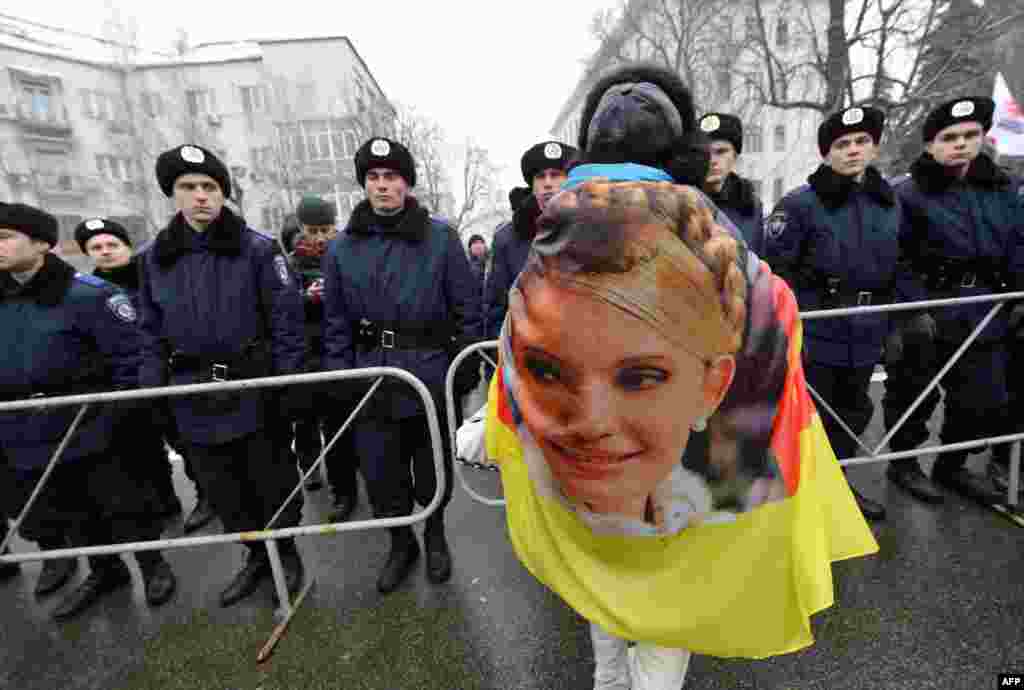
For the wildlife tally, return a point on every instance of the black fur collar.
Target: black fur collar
(736, 193)
(225, 237)
(934, 178)
(414, 225)
(834, 189)
(126, 276)
(524, 220)
(48, 286)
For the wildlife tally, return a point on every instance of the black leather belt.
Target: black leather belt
(372, 335)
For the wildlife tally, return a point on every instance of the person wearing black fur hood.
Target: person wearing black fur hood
(963, 228)
(109, 245)
(733, 194)
(545, 166)
(399, 292)
(836, 242)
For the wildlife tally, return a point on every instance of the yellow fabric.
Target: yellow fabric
(741, 589)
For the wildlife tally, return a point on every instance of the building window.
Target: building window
(152, 104)
(777, 190)
(318, 140)
(782, 32)
(114, 168)
(751, 27)
(780, 137)
(37, 98)
(200, 102)
(753, 139)
(254, 99)
(272, 217)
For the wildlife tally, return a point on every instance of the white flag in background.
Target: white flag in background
(1007, 131)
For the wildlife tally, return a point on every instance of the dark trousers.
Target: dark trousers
(397, 461)
(246, 480)
(975, 401)
(341, 461)
(103, 499)
(845, 389)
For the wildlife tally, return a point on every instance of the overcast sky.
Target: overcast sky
(497, 72)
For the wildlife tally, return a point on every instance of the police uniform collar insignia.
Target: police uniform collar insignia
(553, 151)
(380, 148)
(94, 224)
(853, 116)
(962, 109)
(710, 123)
(120, 305)
(191, 154)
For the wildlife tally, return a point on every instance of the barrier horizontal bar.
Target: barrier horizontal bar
(449, 397)
(924, 450)
(910, 306)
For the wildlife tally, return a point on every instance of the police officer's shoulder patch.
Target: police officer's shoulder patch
(776, 224)
(120, 305)
(281, 267)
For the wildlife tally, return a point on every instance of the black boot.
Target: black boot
(158, 577)
(950, 472)
(404, 554)
(344, 505)
(9, 570)
(109, 577)
(439, 558)
(200, 516)
(248, 579)
(57, 571)
(907, 475)
(872, 510)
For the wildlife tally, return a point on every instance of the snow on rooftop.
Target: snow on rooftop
(22, 34)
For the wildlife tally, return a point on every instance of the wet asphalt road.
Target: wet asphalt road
(942, 606)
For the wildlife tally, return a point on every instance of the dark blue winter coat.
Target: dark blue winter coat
(509, 250)
(740, 202)
(63, 333)
(979, 219)
(209, 295)
(408, 273)
(833, 228)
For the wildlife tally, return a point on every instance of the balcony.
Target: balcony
(52, 124)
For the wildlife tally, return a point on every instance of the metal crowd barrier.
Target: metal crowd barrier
(268, 535)
(874, 455)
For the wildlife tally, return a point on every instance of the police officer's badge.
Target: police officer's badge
(962, 109)
(120, 305)
(775, 225)
(281, 266)
(710, 123)
(94, 224)
(553, 151)
(380, 148)
(192, 155)
(853, 116)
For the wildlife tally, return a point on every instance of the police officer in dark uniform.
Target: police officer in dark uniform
(963, 232)
(730, 192)
(399, 292)
(836, 242)
(219, 303)
(109, 245)
(317, 228)
(66, 333)
(544, 167)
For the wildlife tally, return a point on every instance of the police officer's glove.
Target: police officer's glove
(1016, 322)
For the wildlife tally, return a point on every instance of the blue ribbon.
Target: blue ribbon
(615, 172)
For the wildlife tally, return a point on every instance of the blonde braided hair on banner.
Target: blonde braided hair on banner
(653, 250)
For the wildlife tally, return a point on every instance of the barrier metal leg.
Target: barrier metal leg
(285, 606)
(1014, 483)
(46, 476)
(839, 419)
(938, 377)
(279, 631)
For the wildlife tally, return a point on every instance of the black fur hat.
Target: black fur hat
(88, 229)
(381, 152)
(547, 154)
(181, 160)
(978, 110)
(643, 113)
(31, 221)
(847, 121)
(724, 127)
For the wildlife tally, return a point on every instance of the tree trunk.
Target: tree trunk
(837, 57)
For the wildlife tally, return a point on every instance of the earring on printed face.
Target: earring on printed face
(700, 424)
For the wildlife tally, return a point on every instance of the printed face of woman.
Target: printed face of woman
(609, 401)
